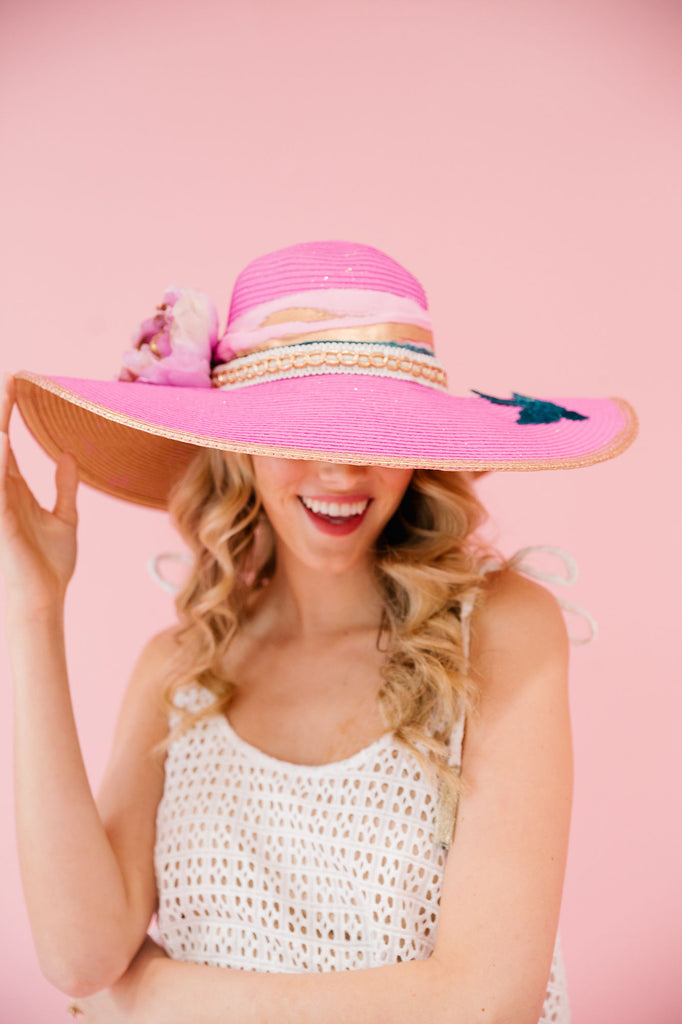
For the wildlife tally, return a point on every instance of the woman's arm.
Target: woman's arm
(88, 907)
(88, 879)
(503, 877)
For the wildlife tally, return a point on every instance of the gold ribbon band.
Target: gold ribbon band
(369, 333)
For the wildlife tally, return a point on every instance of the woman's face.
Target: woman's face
(328, 515)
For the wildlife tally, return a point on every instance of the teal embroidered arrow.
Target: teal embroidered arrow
(534, 410)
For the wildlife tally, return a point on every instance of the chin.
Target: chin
(335, 563)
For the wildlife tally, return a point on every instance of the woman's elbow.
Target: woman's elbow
(82, 975)
(462, 998)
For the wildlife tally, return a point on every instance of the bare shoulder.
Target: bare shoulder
(518, 629)
(152, 664)
(516, 609)
(142, 721)
(143, 707)
(162, 645)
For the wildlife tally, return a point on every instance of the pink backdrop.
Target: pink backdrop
(523, 159)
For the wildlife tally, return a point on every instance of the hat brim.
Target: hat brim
(134, 440)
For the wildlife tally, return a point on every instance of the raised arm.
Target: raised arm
(503, 877)
(88, 904)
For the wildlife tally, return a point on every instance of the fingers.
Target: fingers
(6, 403)
(66, 479)
(66, 475)
(4, 460)
(9, 463)
(8, 467)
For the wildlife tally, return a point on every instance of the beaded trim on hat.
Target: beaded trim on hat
(403, 362)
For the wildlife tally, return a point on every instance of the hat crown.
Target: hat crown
(320, 266)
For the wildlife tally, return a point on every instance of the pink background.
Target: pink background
(523, 159)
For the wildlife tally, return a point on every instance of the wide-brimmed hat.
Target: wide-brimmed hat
(328, 354)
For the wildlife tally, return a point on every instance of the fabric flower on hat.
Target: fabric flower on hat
(175, 345)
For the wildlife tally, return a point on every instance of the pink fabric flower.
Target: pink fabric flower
(175, 345)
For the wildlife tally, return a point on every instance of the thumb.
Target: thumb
(66, 479)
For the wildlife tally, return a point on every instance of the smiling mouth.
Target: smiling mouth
(337, 513)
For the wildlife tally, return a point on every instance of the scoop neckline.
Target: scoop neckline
(278, 763)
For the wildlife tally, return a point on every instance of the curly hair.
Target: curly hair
(428, 568)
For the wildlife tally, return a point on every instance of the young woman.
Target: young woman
(291, 789)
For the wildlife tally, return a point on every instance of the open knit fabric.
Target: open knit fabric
(270, 866)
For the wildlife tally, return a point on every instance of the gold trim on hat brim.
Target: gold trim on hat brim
(100, 439)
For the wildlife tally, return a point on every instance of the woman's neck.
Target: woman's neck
(310, 603)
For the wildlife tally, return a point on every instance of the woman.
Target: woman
(285, 779)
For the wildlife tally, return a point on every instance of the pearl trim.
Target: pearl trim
(331, 357)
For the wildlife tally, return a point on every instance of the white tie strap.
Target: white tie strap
(520, 562)
(156, 561)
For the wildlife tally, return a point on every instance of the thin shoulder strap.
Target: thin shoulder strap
(446, 809)
(465, 610)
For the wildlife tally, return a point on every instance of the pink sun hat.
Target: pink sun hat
(328, 355)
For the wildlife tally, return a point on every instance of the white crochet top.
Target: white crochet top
(270, 866)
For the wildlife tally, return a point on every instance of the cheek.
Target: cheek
(275, 477)
(396, 482)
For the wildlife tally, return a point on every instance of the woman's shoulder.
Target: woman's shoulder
(518, 616)
(157, 658)
(161, 646)
(151, 669)
(511, 598)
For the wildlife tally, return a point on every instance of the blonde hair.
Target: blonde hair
(428, 567)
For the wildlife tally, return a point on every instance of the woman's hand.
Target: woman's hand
(37, 547)
(126, 1002)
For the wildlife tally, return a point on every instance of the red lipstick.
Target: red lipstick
(338, 526)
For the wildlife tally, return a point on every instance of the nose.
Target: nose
(340, 473)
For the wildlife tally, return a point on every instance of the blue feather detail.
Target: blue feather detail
(534, 410)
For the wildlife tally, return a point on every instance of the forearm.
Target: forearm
(73, 884)
(173, 993)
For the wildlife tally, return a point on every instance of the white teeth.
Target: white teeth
(336, 508)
